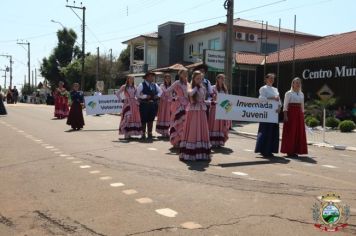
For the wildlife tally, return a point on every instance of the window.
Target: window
(191, 49)
(214, 44)
(200, 48)
(269, 47)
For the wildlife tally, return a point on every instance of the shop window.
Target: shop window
(200, 47)
(191, 49)
(214, 44)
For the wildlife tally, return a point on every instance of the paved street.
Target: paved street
(54, 182)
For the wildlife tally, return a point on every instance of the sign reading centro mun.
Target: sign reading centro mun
(214, 59)
(338, 72)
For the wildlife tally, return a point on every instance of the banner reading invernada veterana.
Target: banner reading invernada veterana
(102, 104)
(231, 107)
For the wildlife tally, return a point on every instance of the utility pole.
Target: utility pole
(29, 59)
(229, 6)
(5, 70)
(36, 77)
(97, 64)
(83, 8)
(33, 80)
(11, 62)
(110, 85)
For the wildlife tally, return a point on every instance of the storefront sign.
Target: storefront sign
(137, 68)
(102, 104)
(214, 59)
(230, 107)
(337, 72)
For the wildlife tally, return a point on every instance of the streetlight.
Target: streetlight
(54, 21)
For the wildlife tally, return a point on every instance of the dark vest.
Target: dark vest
(149, 91)
(206, 84)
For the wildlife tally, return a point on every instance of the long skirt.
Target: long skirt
(2, 107)
(75, 117)
(294, 139)
(163, 117)
(177, 123)
(267, 138)
(218, 129)
(61, 109)
(195, 144)
(148, 111)
(130, 124)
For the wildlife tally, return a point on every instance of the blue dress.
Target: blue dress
(268, 133)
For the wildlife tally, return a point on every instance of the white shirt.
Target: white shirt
(293, 97)
(144, 96)
(269, 92)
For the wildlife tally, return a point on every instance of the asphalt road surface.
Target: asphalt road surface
(54, 182)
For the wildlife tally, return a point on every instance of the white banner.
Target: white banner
(102, 104)
(215, 59)
(230, 107)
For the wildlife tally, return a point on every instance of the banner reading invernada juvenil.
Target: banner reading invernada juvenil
(102, 104)
(231, 107)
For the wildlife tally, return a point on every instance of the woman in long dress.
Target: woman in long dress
(294, 140)
(130, 123)
(61, 109)
(2, 106)
(195, 144)
(268, 133)
(180, 89)
(218, 129)
(75, 117)
(164, 109)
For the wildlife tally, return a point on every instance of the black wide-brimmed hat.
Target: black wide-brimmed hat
(202, 66)
(149, 73)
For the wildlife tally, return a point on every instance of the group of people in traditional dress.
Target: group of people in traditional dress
(185, 112)
(74, 99)
(293, 136)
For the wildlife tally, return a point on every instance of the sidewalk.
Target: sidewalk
(333, 138)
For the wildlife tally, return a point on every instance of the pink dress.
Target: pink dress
(61, 108)
(195, 144)
(179, 114)
(218, 129)
(130, 123)
(164, 113)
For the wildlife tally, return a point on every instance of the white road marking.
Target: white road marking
(49, 147)
(21, 131)
(329, 166)
(144, 200)
(55, 149)
(344, 155)
(283, 174)
(76, 162)
(240, 173)
(129, 191)
(248, 150)
(167, 212)
(117, 184)
(95, 172)
(85, 167)
(152, 149)
(191, 225)
(38, 140)
(308, 164)
(64, 155)
(105, 178)
(70, 158)
(57, 152)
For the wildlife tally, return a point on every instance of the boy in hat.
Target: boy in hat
(148, 93)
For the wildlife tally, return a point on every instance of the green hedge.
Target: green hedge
(332, 122)
(312, 122)
(347, 126)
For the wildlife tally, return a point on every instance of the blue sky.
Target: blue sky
(108, 23)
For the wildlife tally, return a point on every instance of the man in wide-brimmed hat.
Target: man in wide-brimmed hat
(148, 92)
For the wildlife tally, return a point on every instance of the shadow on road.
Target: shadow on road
(302, 159)
(197, 165)
(266, 161)
(98, 130)
(222, 150)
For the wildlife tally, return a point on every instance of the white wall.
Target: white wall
(201, 38)
(152, 57)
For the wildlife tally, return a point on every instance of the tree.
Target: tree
(62, 55)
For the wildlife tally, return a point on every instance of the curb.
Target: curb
(336, 147)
